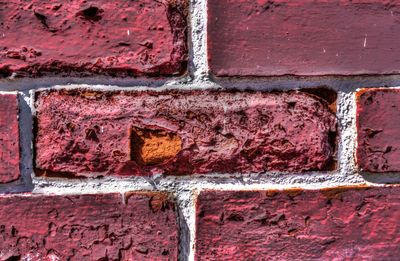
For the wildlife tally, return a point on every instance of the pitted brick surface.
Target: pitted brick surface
(331, 224)
(378, 129)
(83, 132)
(9, 138)
(79, 38)
(88, 227)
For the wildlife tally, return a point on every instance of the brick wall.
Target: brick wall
(199, 130)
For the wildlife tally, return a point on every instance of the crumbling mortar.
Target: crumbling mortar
(185, 189)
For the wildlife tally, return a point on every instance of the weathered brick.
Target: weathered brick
(9, 138)
(330, 224)
(298, 37)
(378, 129)
(182, 132)
(78, 38)
(88, 227)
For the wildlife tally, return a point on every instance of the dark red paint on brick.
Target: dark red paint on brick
(118, 38)
(9, 138)
(378, 129)
(88, 227)
(331, 224)
(298, 37)
(85, 132)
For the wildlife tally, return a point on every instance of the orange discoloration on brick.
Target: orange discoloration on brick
(293, 192)
(151, 147)
(336, 193)
(159, 202)
(189, 132)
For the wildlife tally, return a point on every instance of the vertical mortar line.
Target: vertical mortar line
(198, 68)
(198, 63)
(26, 139)
(347, 134)
(186, 201)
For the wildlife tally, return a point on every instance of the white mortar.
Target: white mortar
(185, 189)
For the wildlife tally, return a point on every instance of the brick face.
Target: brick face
(98, 97)
(297, 37)
(88, 227)
(79, 38)
(9, 138)
(378, 129)
(331, 224)
(182, 132)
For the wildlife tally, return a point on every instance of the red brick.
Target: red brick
(378, 129)
(88, 227)
(78, 38)
(298, 37)
(9, 138)
(331, 224)
(182, 132)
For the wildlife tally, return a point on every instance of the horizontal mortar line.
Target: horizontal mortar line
(269, 83)
(177, 186)
(211, 176)
(34, 83)
(61, 190)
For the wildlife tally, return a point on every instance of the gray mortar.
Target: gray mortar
(185, 189)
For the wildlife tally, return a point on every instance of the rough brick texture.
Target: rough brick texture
(88, 227)
(331, 224)
(378, 129)
(264, 37)
(9, 138)
(121, 37)
(182, 132)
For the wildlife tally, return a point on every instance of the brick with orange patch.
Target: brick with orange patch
(151, 147)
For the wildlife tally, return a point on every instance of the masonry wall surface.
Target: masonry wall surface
(199, 130)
